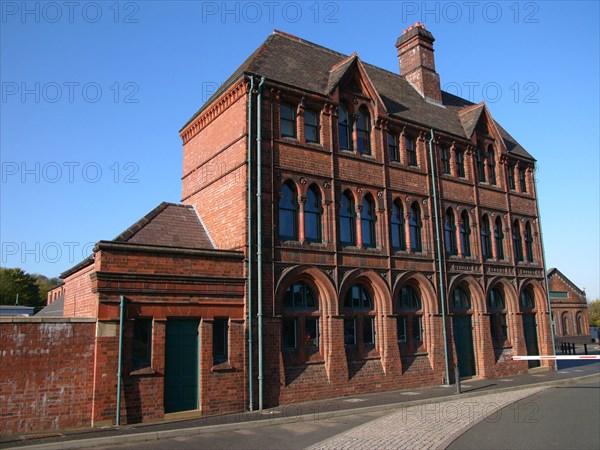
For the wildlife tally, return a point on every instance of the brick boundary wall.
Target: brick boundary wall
(46, 376)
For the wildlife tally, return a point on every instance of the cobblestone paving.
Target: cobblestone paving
(429, 426)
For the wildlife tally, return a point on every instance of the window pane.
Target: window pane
(311, 126)
(347, 221)
(220, 329)
(344, 128)
(288, 121)
(368, 330)
(298, 292)
(289, 334)
(401, 324)
(142, 342)
(416, 329)
(349, 331)
(311, 332)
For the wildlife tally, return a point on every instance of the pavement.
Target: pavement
(481, 397)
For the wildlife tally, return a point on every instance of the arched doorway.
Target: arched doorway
(463, 331)
(527, 306)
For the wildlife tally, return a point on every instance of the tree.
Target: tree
(45, 284)
(594, 312)
(17, 281)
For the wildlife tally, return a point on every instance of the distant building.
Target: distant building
(569, 309)
(16, 310)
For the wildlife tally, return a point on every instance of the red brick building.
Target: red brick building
(344, 230)
(569, 309)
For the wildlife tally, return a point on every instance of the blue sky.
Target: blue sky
(94, 94)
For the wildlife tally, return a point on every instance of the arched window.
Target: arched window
(517, 244)
(480, 165)
(359, 321)
(288, 213)
(363, 131)
(311, 126)
(312, 215)
(499, 239)
(579, 324)
(497, 310)
(300, 322)
(415, 228)
(344, 128)
(347, 220)
(465, 232)
(367, 218)
(287, 120)
(460, 299)
(397, 221)
(565, 324)
(526, 300)
(492, 164)
(450, 233)
(528, 242)
(410, 318)
(486, 245)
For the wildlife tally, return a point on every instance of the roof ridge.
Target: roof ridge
(305, 42)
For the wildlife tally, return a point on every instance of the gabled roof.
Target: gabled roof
(553, 271)
(168, 225)
(306, 66)
(470, 116)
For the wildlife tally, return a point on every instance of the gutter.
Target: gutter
(249, 225)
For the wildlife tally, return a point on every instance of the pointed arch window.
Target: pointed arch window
(486, 245)
(288, 213)
(312, 215)
(517, 244)
(480, 165)
(410, 318)
(465, 232)
(397, 222)
(367, 217)
(450, 233)
(497, 310)
(461, 301)
(526, 300)
(344, 128)
(287, 118)
(492, 165)
(528, 242)
(300, 323)
(363, 131)
(416, 244)
(499, 239)
(347, 220)
(359, 320)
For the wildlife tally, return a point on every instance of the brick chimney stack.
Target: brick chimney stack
(415, 55)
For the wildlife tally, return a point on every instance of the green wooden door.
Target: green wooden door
(530, 332)
(463, 340)
(181, 365)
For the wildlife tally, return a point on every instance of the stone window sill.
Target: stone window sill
(143, 371)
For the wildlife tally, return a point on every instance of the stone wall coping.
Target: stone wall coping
(9, 319)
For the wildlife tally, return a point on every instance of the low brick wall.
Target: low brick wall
(46, 373)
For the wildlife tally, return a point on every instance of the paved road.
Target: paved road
(564, 417)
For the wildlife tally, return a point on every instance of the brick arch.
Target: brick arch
(429, 298)
(539, 295)
(566, 317)
(316, 279)
(475, 291)
(382, 298)
(289, 180)
(355, 197)
(510, 293)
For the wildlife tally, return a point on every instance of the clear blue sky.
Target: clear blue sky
(94, 94)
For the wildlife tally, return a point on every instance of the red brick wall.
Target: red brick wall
(574, 305)
(46, 374)
(80, 301)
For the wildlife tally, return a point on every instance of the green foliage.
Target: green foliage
(32, 289)
(594, 312)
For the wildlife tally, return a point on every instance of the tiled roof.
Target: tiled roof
(168, 225)
(310, 67)
(54, 309)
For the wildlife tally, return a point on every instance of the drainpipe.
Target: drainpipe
(537, 205)
(439, 252)
(250, 340)
(119, 374)
(259, 269)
